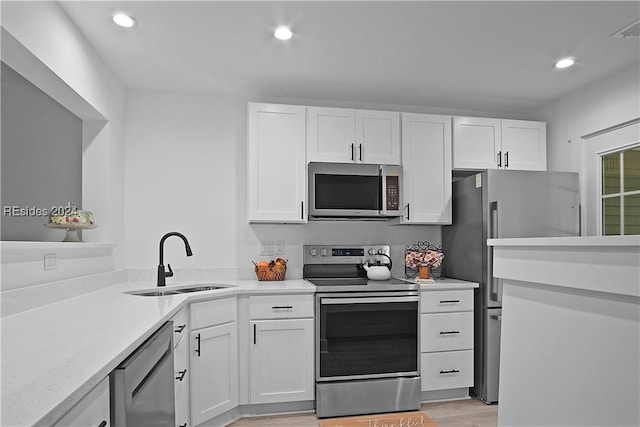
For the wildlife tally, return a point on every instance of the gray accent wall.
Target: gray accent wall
(41, 159)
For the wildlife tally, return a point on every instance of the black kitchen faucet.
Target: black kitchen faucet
(162, 275)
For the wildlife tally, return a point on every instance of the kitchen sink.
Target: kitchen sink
(200, 287)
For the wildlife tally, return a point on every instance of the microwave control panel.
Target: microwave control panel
(393, 192)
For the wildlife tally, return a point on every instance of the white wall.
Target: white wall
(186, 171)
(612, 100)
(40, 43)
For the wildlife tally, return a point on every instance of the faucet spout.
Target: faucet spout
(162, 274)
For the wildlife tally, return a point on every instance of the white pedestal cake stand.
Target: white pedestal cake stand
(72, 230)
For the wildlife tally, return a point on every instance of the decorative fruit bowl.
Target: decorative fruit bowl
(271, 271)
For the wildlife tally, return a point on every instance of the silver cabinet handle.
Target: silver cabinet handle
(181, 375)
(198, 347)
(179, 329)
(449, 332)
(497, 317)
(282, 307)
(452, 371)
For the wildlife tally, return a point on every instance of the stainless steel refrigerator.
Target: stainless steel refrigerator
(501, 204)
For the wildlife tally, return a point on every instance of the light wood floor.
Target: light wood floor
(458, 413)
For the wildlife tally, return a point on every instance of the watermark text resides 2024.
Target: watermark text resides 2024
(34, 211)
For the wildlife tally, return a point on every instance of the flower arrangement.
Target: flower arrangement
(432, 258)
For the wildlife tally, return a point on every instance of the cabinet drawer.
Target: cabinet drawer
(446, 331)
(280, 306)
(443, 301)
(213, 312)
(449, 369)
(180, 326)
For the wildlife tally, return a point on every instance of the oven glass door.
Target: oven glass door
(367, 337)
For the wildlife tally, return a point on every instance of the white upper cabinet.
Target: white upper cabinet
(484, 143)
(276, 168)
(426, 162)
(476, 142)
(331, 135)
(342, 135)
(524, 145)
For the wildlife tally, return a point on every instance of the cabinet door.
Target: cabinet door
(524, 145)
(426, 162)
(92, 410)
(214, 371)
(276, 175)
(331, 135)
(281, 367)
(180, 363)
(377, 137)
(476, 142)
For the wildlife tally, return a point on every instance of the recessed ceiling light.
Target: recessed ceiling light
(565, 63)
(124, 20)
(283, 33)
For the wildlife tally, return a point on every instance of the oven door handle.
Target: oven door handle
(367, 300)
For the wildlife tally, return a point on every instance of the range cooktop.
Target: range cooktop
(361, 284)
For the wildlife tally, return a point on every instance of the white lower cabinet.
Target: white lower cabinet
(282, 360)
(213, 358)
(281, 348)
(92, 410)
(446, 340)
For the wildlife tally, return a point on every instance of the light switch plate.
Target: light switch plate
(280, 247)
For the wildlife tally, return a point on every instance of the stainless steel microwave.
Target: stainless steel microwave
(354, 190)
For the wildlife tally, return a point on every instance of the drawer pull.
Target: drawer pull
(450, 301)
(181, 376)
(198, 347)
(449, 332)
(453, 371)
(180, 328)
(282, 307)
(103, 424)
(183, 425)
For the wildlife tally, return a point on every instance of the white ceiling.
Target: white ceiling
(485, 56)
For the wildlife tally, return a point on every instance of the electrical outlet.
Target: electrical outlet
(279, 250)
(50, 261)
(266, 248)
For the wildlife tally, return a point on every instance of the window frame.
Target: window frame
(621, 194)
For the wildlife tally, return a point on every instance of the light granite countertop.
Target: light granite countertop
(55, 354)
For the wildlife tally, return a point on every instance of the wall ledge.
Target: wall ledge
(14, 251)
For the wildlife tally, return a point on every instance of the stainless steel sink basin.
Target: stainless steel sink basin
(154, 293)
(200, 287)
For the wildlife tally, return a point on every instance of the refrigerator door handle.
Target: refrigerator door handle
(495, 288)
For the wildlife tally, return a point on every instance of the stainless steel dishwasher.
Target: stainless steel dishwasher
(142, 387)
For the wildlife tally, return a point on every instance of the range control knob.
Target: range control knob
(323, 252)
(372, 251)
(313, 252)
(380, 251)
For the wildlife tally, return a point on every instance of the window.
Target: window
(620, 196)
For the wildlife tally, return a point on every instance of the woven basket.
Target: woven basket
(270, 274)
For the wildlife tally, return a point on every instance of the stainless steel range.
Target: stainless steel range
(367, 352)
